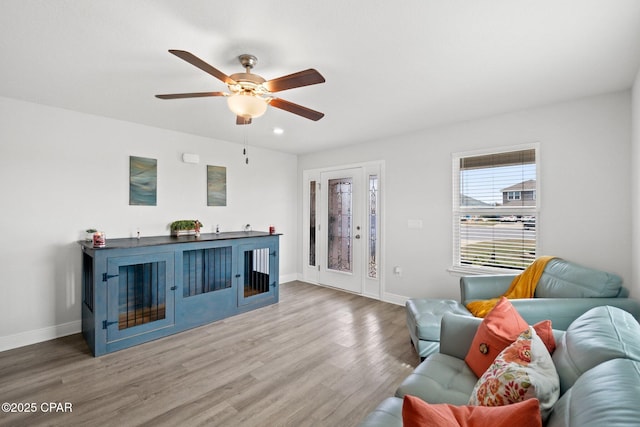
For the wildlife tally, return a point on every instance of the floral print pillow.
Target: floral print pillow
(523, 370)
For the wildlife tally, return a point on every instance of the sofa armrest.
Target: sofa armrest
(456, 333)
(624, 292)
(484, 286)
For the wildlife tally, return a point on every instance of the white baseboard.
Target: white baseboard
(288, 278)
(52, 332)
(386, 297)
(38, 335)
(394, 298)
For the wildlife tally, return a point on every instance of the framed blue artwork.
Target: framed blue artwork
(143, 181)
(216, 186)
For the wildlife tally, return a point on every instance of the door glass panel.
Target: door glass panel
(339, 230)
(312, 223)
(142, 293)
(373, 229)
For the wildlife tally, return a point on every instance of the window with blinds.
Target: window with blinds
(495, 210)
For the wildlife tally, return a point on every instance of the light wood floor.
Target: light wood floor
(320, 357)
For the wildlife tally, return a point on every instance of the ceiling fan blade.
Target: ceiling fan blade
(296, 109)
(194, 60)
(243, 120)
(299, 79)
(189, 95)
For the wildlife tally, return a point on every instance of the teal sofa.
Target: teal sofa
(565, 291)
(597, 359)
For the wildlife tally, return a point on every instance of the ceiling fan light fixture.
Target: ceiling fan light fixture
(247, 105)
(250, 94)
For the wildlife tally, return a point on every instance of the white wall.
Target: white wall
(635, 189)
(585, 212)
(62, 172)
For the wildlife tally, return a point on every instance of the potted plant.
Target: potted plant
(186, 227)
(89, 234)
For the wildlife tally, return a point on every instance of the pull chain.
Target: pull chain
(246, 144)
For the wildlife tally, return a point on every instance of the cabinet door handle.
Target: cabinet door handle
(106, 323)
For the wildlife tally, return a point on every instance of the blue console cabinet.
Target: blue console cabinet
(138, 290)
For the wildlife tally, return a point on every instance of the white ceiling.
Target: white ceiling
(391, 67)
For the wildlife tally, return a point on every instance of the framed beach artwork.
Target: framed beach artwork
(143, 181)
(216, 186)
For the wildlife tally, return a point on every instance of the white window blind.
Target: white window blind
(495, 210)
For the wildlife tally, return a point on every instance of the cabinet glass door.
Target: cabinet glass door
(258, 275)
(140, 294)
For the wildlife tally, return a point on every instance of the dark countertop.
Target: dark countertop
(132, 242)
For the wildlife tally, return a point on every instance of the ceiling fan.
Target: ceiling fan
(250, 93)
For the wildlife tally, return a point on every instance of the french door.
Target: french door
(341, 229)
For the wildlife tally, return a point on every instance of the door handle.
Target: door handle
(357, 236)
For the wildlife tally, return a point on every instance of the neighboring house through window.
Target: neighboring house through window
(495, 209)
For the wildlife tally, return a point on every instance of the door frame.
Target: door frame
(371, 287)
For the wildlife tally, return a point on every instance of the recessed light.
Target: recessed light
(278, 131)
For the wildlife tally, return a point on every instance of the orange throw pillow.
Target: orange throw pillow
(497, 331)
(545, 332)
(418, 413)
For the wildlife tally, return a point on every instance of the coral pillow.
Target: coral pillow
(500, 327)
(545, 332)
(524, 370)
(417, 413)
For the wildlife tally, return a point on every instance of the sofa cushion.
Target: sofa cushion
(418, 413)
(601, 334)
(522, 371)
(387, 414)
(606, 395)
(440, 379)
(565, 279)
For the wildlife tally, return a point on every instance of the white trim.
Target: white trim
(370, 295)
(394, 298)
(378, 282)
(386, 297)
(315, 173)
(288, 278)
(496, 150)
(39, 335)
(309, 273)
(478, 271)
